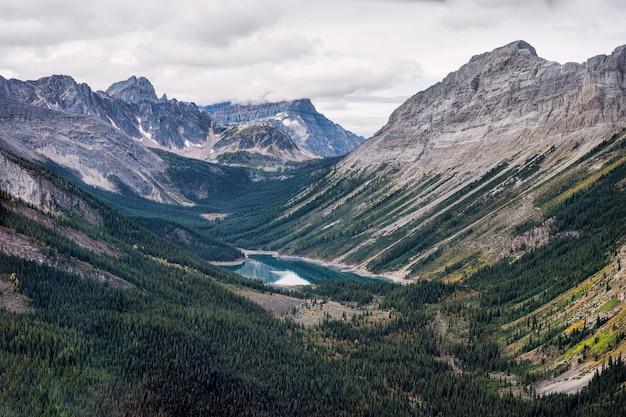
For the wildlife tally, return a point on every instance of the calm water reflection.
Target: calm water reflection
(288, 272)
(256, 269)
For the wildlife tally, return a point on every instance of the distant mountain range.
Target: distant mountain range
(309, 129)
(99, 135)
(130, 106)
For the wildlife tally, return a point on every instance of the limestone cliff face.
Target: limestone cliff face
(40, 192)
(508, 104)
(20, 183)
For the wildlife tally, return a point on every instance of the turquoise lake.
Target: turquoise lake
(289, 272)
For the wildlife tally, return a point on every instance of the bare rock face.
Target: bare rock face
(41, 192)
(96, 152)
(18, 182)
(130, 106)
(508, 104)
(100, 138)
(57, 92)
(168, 123)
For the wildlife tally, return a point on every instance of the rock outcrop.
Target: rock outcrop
(40, 192)
(270, 146)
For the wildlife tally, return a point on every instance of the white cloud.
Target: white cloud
(356, 59)
(258, 48)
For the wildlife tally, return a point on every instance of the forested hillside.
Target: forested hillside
(102, 317)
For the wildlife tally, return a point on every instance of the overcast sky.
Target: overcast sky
(356, 59)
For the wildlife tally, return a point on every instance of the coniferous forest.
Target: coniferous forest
(171, 336)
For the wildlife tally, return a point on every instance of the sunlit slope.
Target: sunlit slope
(556, 300)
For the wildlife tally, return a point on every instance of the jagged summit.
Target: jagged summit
(520, 45)
(56, 92)
(57, 82)
(134, 90)
(500, 96)
(512, 48)
(103, 136)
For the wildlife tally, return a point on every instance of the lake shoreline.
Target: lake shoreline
(344, 268)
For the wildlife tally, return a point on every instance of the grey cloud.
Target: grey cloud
(41, 23)
(221, 23)
(353, 55)
(335, 78)
(265, 47)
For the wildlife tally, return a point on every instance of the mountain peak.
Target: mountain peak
(57, 85)
(134, 90)
(509, 99)
(58, 79)
(511, 49)
(517, 46)
(303, 102)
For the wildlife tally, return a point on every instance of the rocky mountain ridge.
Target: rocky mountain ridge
(508, 106)
(134, 91)
(132, 107)
(509, 98)
(104, 136)
(243, 144)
